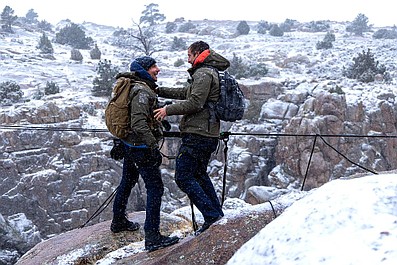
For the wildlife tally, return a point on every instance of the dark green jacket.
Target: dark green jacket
(145, 130)
(203, 87)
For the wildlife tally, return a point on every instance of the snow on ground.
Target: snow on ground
(346, 221)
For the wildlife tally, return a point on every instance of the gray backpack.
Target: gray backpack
(231, 105)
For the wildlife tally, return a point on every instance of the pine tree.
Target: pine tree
(243, 28)
(73, 36)
(95, 53)
(7, 19)
(31, 16)
(103, 83)
(45, 45)
(151, 15)
(359, 25)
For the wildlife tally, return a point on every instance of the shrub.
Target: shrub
(75, 55)
(365, 68)
(10, 92)
(385, 34)
(170, 27)
(51, 88)
(359, 25)
(327, 41)
(45, 45)
(95, 53)
(241, 70)
(243, 28)
(276, 31)
(103, 82)
(179, 62)
(73, 36)
(263, 26)
(186, 27)
(178, 44)
(44, 25)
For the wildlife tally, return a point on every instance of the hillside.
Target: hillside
(54, 180)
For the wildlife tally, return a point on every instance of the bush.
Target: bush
(51, 88)
(365, 68)
(359, 25)
(103, 83)
(385, 34)
(170, 27)
(240, 70)
(263, 26)
(45, 45)
(186, 27)
(44, 25)
(10, 92)
(179, 62)
(95, 53)
(276, 31)
(318, 26)
(327, 41)
(73, 36)
(75, 55)
(178, 44)
(243, 28)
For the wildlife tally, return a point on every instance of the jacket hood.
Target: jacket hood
(211, 58)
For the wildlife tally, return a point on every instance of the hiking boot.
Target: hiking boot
(123, 224)
(155, 241)
(207, 225)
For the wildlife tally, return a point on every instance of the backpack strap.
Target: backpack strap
(210, 105)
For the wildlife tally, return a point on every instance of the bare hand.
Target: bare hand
(160, 114)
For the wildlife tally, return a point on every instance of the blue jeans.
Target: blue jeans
(191, 174)
(144, 162)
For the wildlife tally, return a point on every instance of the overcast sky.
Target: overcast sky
(121, 12)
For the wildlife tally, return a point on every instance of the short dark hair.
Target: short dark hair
(198, 46)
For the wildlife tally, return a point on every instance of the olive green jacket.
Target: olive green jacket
(145, 129)
(203, 87)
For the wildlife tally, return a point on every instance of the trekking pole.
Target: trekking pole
(102, 207)
(225, 137)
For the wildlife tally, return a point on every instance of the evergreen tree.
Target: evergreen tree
(73, 36)
(276, 31)
(45, 45)
(8, 19)
(10, 92)
(365, 68)
(243, 28)
(44, 25)
(31, 16)
(359, 25)
(170, 27)
(327, 41)
(95, 53)
(76, 55)
(263, 26)
(103, 82)
(151, 15)
(51, 88)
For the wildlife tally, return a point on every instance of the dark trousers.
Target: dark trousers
(144, 162)
(191, 174)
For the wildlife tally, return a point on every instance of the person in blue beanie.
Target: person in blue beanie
(142, 155)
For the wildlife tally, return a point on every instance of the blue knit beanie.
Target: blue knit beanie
(145, 61)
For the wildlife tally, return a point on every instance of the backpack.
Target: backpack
(117, 111)
(231, 105)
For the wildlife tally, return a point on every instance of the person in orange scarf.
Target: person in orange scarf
(199, 129)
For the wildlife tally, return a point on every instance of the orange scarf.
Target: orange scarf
(200, 59)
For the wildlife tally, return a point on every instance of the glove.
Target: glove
(117, 152)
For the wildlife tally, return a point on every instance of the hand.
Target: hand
(160, 114)
(117, 152)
